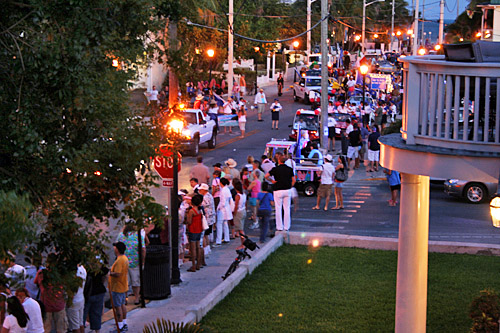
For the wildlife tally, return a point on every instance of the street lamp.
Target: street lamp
(256, 49)
(174, 131)
(421, 51)
(363, 69)
(210, 54)
(364, 22)
(295, 46)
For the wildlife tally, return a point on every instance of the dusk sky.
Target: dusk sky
(432, 8)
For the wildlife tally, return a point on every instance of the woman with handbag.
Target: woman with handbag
(195, 230)
(240, 211)
(340, 169)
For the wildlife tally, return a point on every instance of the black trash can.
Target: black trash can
(156, 275)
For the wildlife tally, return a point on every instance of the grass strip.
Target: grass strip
(300, 289)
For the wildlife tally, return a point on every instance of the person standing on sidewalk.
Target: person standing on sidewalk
(243, 85)
(118, 285)
(394, 180)
(264, 202)
(281, 82)
(224, 213)
(32, 309)
(195, 232)
(75, 312)
(129, 237)
(283, 181)
(325, 188)
(200, 171)
(261, 102)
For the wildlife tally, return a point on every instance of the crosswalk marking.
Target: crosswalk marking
(318, 220)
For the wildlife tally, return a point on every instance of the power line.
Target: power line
(188, 22)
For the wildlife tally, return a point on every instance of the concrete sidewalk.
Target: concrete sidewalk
(199, 291)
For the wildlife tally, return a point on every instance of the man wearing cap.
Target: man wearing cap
(231, 164)
(325, 188)
(276, 108)
(118, 284)
(260, 102)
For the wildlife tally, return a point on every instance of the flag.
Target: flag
(218, 99)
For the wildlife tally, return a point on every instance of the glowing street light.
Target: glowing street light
(421, 51)
(495, 211)
(398, 33)
(437, 47)
(210, 54)
(375, 36)
(363, 69)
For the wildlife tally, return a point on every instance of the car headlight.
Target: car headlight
(452, 181)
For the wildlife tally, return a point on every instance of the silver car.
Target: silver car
(473, 192)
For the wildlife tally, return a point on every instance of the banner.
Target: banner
(228, 120)
(374, 81)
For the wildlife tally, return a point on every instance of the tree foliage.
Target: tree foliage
(70, 140)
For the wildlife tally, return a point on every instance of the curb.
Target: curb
(391, 244)
(194, 313)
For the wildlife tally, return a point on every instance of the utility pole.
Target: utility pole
(230, 50)
(324, 76)
(173, 81)
(415, 31)
(308, 26)
(392, 27)
(441, 22)
(423, 22)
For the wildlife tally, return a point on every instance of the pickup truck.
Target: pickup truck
(306, 85)
(198, 129)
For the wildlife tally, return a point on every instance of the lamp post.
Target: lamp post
(364, 22)
(495, 207)
(363, 69)
(175, 127)
(295, 46)
(210, 54)
(256, 49)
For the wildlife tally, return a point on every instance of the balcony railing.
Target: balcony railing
(453, 105)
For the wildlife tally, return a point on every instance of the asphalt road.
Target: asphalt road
(365, 194)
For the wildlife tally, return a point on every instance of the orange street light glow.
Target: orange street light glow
(421, 51)
(280, 315)
(295, 44)
(478, 35)
(410, 32)
(210, 53)
(398, 33)
(315, 243)
(97, 173)
(114, 63)
(309, 261)
(461, 39)
(357, 38)
(363, 69)
(437, 47)
(256, 49)
(375, 36)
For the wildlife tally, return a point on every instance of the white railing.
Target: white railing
(452, 105)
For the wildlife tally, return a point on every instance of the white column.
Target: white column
(363, 28)
(441, 22)
(230, 51)
(496, 25)
(411, 285)
(415, 31)
(268, 65)
(308, 26)
(324, 76)
(274, 65)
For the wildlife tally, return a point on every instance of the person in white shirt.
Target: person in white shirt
(153, 96)
(15, 273)
(75, 312)
(228, 108)
(32, 308)
(276, 108)
(331, 108)
(224, 213)
(17, 319)
(325, 188)
(261, 102)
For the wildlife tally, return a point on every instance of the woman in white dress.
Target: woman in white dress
(224, 212)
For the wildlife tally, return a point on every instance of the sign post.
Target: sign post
(168, 165)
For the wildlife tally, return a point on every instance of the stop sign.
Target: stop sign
(164, 164)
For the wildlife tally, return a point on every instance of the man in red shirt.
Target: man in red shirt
(52, 297)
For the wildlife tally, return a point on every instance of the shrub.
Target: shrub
(485, 312)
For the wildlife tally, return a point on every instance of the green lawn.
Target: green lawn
(348, 290)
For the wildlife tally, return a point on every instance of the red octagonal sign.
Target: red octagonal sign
(164, 165)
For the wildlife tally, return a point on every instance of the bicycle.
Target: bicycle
(242, 254)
